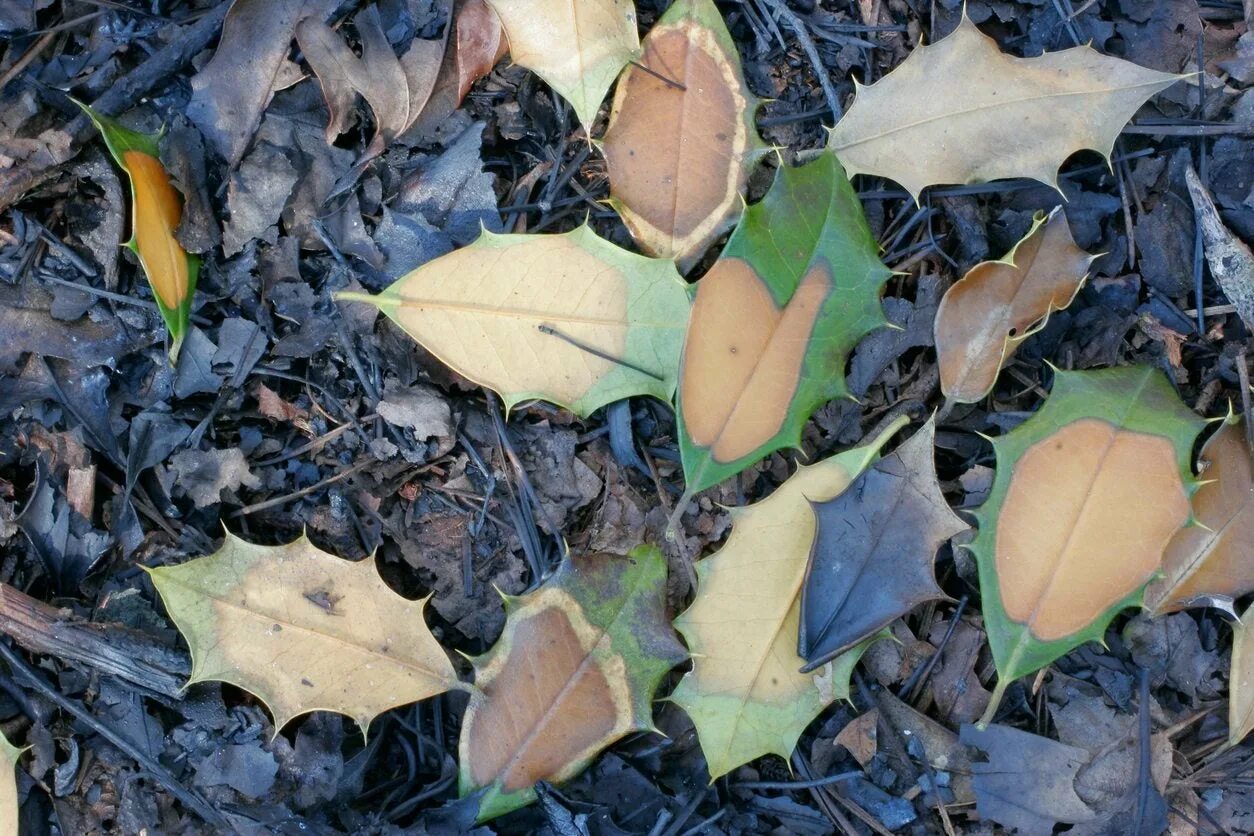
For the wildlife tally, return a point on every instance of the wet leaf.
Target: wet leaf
(681, 139)
(1241, 680)
(745, 692)
(478, 44)
(797, 286)
(568, 318)
(873, 553)
(997, 305)
(1230, 259)
(1088, 493)
(574, 671)
(963, 111)
(577, 46)
(9, 755)
(303, 630)
(156, 209)
(1211, 562)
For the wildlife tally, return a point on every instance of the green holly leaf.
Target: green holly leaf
(1088, 493)
(797, 286)
(574, 671)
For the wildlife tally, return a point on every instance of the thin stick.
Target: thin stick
(807, 45)
(550, 331)
(669, 82)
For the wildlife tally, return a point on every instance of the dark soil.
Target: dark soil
(282, 417)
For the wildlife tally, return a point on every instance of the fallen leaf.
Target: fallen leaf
(1241, 680)
(1028, 782)
(860, 737)
(873, 553)
(574, 671)
(745, 692)
(1211, 561)
(418, 408)
(1088, 493)
(477, 45)
(9, 755)
(303, 630)
(963, 111)
(577, 46)
(156, 210)
(204, 474)
(1230, 259)
(681, 139)
(568, 318)
(797, 286)
(983, 318)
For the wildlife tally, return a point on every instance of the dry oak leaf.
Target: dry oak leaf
(1241, 680)
(1230, 259)
(985, 316)
(1088, 493)
(577, 46)
(574, 671)
(303, 630)
(1211, 562)
(9, 755)
(567, 318)
(681, 139)
(963, 111)
(874, 550)
(745, 692)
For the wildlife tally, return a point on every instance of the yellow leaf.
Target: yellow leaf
(1241, 680)
(158, 210)
(8, 787)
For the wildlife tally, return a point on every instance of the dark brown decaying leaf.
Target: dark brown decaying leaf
(478, 44)
(1230, 259)
(873, 553)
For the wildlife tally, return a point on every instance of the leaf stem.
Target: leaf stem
(994, 702)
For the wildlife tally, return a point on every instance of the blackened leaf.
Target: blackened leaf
(873, 553)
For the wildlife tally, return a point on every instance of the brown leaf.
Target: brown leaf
(479, 43)
(860, 737)
(1230, 260)
(997, 305)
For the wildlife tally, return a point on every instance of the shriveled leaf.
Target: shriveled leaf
(1212, 560)
(797, 286)
(1241, 680)
(681, 139)
(574, 671)
(1028, 781)
(567, 318)
(1088, 493)
(478, 44)
(1230, 259)
(9, 755)
(963, 111)
(156, 210)
(303, 630)
(577, 46)
(997, 305)
(873, 553)
(745, 693)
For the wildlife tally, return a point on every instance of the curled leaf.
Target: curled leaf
(1230, 259)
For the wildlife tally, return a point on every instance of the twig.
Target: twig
(780, 7)
(279, 500)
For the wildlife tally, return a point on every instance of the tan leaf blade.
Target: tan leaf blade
(577, 46)
(303, 630)
(574, 671)
(962, 111)
(1230, 259)
(1212, 560)
(745, 693)
(998, 304)
(1241, 680)
(681, 139)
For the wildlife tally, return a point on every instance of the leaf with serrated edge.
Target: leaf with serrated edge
(679, 148)
(566, 318)
(874, 550)
(1241, 680)
(745, 692)
(156, 211)
(574, 671)
(997, 305)
(796, 287)
(1212, 559)
(9, 755)
(963, 111)
(577, 46)
(303, 630)
(1087, 494)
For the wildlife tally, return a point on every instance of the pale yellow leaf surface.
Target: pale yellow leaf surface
(745, 693)
(8, 787)
(1241, 681)
(963, 111)
(303, 630)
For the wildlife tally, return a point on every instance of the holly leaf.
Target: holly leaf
(9, 755)
(963, 111)
(873, 553)
(577, 46)
(574, 671)
(985, 316)
(1087, 494)
(303, 630)
(568, 318)
(681, 139)
(797, 286)
(745, 692)
(1241, 680)
(1211, 561)
(156, 211)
